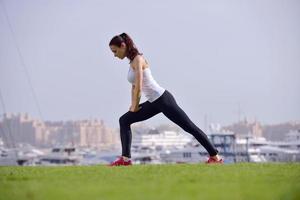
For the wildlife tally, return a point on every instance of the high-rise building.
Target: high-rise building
(21, 128)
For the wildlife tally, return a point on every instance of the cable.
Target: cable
(22, 61)
(4, 137)
(10, 136)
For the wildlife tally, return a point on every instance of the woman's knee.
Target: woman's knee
(124, 120)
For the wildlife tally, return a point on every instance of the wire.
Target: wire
(5, 139)
(10, 136)
(22, 60)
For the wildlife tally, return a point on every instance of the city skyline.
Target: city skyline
(22, 128)
(222, 61)
(19, 129)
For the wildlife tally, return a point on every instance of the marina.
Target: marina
(161, 148)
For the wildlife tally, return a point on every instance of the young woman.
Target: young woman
(159, 100)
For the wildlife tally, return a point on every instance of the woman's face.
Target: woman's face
(119, 52)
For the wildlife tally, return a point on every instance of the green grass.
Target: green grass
(155, 182)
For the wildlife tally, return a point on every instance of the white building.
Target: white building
(163, 140)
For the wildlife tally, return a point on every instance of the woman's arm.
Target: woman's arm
(132, 96)
(136, 93)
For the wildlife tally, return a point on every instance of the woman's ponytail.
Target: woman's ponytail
(132, 51)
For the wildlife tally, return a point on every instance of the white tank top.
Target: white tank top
(150, 87)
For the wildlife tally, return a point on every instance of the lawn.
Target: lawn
(152, 182)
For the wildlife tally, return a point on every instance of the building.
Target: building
(160, 140)
(21, 128)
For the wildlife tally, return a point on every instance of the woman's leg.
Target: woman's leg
(147, 111)
(171, 110)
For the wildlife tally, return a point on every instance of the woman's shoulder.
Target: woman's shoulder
(139, 60)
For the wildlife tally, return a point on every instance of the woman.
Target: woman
(159, 100)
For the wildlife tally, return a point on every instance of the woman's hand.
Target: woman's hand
(134, 108)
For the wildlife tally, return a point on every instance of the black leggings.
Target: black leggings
(168, 106)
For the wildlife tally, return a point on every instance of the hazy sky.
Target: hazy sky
(214, 56)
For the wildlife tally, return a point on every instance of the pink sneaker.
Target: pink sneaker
(121, 162)
(213, 161)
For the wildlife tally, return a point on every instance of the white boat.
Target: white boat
(8, 157)
(61, 156)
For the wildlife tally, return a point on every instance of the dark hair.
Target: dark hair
(132, 51)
